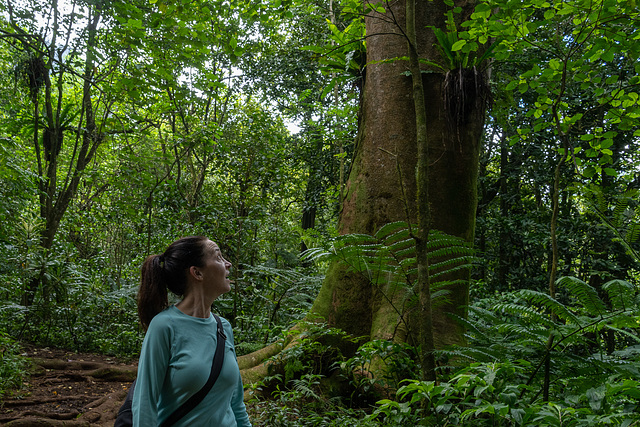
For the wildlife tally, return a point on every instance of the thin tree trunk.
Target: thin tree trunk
(424, 212)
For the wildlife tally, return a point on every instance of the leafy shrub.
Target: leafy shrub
(304, 404)
(491, 394)
(272, 299)
(317, 350)
(13, 366)
(72, 308)
(381, 364)
(524, 346)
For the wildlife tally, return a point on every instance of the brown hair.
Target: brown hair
(167, 271)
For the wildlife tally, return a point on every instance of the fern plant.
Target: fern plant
(519, 326)
(620, 215)
(387, 260)
(508, 344)
(274, 298)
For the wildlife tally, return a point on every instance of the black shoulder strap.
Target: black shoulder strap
(216, 366)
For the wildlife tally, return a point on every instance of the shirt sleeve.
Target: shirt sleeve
(237, 400)
(152, 369)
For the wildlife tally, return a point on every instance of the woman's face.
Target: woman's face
(216, 269)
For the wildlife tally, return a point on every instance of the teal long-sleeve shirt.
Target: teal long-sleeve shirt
(175, 362)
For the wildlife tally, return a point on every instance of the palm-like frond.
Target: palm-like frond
(474, 354)
(387, 260)
(478, 331)
(633, 232)
(537, 335)
(584, 293)
(529, 315)
(621, 294)
(622, 219)
(554, 306)
(388, 257)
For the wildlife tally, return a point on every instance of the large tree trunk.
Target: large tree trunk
(382, 185)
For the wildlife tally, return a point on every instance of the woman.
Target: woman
(180, 341)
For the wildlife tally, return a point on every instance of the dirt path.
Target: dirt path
(70, 389)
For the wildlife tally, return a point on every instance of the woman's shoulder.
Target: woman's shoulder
(225, 323)
(222, 319)
(163, 319)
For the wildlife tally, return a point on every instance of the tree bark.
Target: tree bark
(382, 185)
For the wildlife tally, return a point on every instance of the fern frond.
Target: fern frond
(362, 248)
(622, 237)
(483, 314)
(624, 319)
(618, 211)
(314, 254)
(352, 240)
(392, 228)
(621, 294)
(598, 200)
(402, 237)
(472, 353)
(624, 332)
(449, 265)
(404, 253)
(437, 237)
(305, 386)
(538, 335)
(440, 293)
(527, 314)
(472, 326)
(449, 251)
(408, 263)
(633, 232)
(447, 283)
(444, 46)
(584, 293)
(544, 300)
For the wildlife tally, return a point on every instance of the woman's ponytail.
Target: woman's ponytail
(152, 294)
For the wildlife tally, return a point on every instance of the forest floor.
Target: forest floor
(69, 389)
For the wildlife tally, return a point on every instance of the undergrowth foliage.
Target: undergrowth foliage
(305, 387)
(279, 297)
(585, 340)
(593, 352)
(13, 367)
(388, 257)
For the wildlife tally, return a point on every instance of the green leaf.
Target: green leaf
(523, 87)
(134, 23)
(514, 83)
(458, 45)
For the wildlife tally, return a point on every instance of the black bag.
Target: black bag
(125, 417)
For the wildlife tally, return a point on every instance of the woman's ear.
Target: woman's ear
(195, 273)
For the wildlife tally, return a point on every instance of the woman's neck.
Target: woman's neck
(195, 306)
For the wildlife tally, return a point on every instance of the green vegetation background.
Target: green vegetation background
(192, 135)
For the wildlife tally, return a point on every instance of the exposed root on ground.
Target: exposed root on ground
(69, 389)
